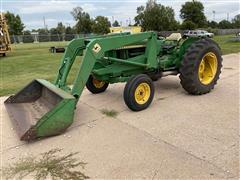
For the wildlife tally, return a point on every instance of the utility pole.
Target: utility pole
(44, 23)
(112, 20)
(227, 16)
(214, 12)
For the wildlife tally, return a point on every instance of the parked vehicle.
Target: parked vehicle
(198, 33)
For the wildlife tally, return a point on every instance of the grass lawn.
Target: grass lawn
(226, 45)
(30, 61)
(27, 62)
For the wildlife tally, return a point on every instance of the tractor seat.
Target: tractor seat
(174, 37)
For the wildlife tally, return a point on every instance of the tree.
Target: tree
(156, 17)
(224, 24)
(212, 24)
(101, 25)
(193, 11)
(58, 33)
(236, 21)
(43, 35)
(60, 28)
(115, 24)
(188, 25)
(70, 33)
(83, 19)
(14, 23)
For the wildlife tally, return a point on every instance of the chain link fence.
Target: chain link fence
(36, 38)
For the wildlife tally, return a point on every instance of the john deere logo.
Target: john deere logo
(96, 48)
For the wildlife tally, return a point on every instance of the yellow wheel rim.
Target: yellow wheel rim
(142, 93)
(207, 68)
(98, 84)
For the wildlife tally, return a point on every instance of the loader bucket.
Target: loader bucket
(40, 109)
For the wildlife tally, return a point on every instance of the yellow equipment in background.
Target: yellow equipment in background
(131, 29)
(4, 36)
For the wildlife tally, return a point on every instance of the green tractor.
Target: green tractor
(44, 109)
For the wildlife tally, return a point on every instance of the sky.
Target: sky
(33, 12)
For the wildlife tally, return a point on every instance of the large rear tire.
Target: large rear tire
(139, 92)
(201, 67)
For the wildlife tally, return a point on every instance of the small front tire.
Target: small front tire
(139, 92)
(96, 86)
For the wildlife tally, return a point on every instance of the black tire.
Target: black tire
(190, 65)
(154, 78)
(93, 88)
(130, 88)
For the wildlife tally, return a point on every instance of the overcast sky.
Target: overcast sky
(54, 11)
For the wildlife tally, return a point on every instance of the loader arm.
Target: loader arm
(44, 109)
(95, 49)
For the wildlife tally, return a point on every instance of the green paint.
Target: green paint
(113, 58)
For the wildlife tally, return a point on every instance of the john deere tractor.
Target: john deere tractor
(45, 109)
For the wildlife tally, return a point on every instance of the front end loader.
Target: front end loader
(44, 109)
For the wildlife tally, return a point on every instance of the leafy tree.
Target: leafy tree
(54, 35)
(58, 33)
(224, 24)
(236, 21)
(115, 24)
(14, 23)
(43, 35)
(83, 19)
(53, 31)
(156, 17)
(212, 24)
(139, 19)
(60, 28)
(70, 32)
(193, 11)
(188, 25)
(101, 25)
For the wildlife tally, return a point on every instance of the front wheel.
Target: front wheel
(139, 92)
(201, 67)
(96, 86)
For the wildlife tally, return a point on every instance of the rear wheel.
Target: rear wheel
(96, 86)
(201, 67)
(139, 92)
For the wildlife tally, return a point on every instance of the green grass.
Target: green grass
(227, 46)
(27, 62)
(30, 61)
(110, 113)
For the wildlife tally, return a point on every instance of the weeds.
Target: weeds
(109, 113)
(48, 165)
